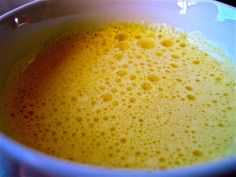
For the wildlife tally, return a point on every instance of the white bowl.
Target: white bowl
(214, 20)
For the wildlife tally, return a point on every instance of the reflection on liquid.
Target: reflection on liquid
(183, 4)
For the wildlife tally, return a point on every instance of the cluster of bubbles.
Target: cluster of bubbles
(125, 95)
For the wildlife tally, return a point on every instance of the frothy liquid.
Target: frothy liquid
(123, 95)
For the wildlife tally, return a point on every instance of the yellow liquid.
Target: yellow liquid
(126, 96)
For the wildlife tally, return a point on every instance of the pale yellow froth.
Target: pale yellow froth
(124, 95)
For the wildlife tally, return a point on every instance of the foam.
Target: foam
(125, 95)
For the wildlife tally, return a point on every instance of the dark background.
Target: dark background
(6, 5)
(230, 2)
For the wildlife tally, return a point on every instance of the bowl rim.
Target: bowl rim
(36, 2)
(47, 163)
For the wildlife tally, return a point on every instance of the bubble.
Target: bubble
(177, 162)
(173, 65)
(138, 56)
(214, 101)
(162, 167)
(140, 120)
(189, 88)
(125, 65)
(221, 125)
(179, 80)
(182, 45)
(139, 93)
(122, 45)
(162, 159)
(132, 77)
(12, 114)
(191, 97)
(146, 86)
(114, 90)
(153, 78)
(196, 62)
(167, 43)
(115, 103)
(123, 140)
(121, 36)
(159, 54)
(78, 119)
(30, 113)
(96, 119)
(122, 93)
(121, 85)
(146, 43)
(218, 78)
(175, 56)
(110, 154)
(112, 129)
(137, 153)
(106, 97)
(121, 73)
(129, 88)
(118, 56)
(132, 100)
(101, 87)
(73, 98)
(138, 36)
(197, 153)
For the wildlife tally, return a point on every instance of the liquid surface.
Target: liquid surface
(123, 95)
